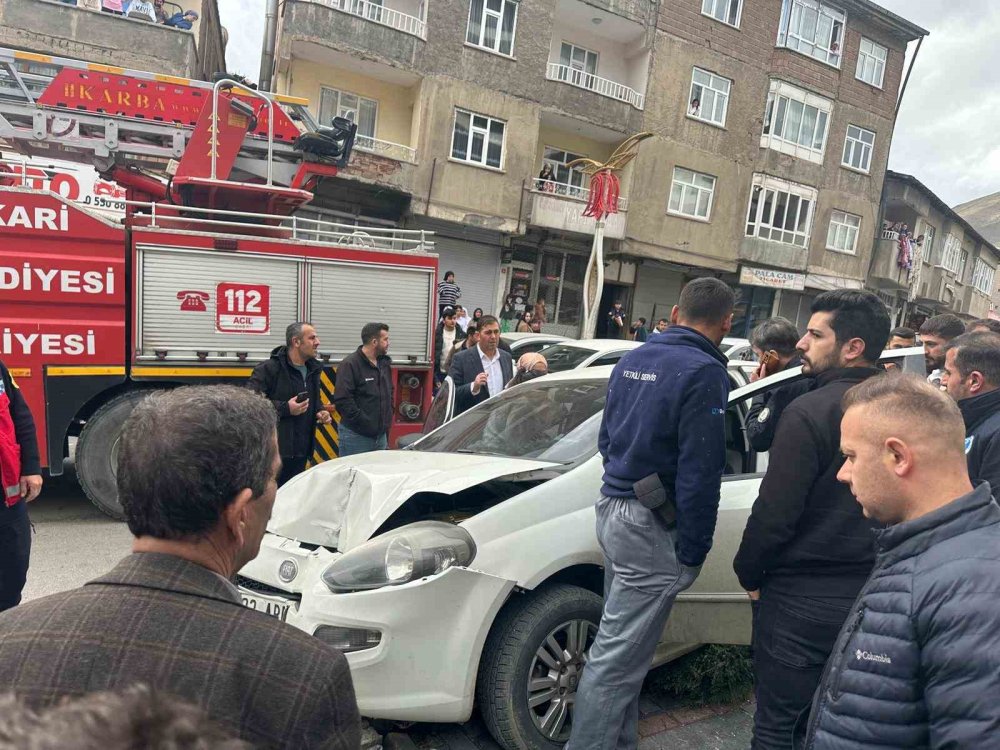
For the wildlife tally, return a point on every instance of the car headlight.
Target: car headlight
(400, 556)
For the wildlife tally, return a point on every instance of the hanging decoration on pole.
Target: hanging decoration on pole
(605, 189)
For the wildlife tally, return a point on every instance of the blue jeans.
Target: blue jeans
(351, 442)
(642, 577)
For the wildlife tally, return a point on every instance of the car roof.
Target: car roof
(515, 336)
(600, 345)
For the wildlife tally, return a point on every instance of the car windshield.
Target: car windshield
(565, 357)
(555, 422)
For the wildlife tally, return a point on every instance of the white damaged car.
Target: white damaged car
(466, 570)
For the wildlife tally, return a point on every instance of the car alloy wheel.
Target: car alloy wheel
(555, 675)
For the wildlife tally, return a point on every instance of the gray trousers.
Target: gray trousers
(642, 576)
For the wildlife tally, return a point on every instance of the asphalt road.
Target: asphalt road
(74, 542)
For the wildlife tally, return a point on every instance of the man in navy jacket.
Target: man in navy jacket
(664, 449)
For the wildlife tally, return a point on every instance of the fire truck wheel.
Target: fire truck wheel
(97, 452)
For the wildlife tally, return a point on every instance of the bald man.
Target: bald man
(917, 663)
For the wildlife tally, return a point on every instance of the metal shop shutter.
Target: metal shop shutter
(164, 274)
(345, 296)
(477, 271)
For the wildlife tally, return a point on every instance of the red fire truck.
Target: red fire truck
(198, 280)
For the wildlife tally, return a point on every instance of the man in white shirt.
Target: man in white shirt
(481, 372)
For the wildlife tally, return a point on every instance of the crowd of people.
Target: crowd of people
(154, 11)
(871, 557)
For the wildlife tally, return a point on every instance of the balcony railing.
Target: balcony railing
(376, 13)
(561, 189)
(889, 234)
(388, 149)
(604, 87)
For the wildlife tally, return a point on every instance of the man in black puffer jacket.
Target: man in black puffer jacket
(917, 664)
(807, 549)
(972, 378)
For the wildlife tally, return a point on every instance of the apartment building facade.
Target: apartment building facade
(80, 30)
(771, 123)
(928, 259)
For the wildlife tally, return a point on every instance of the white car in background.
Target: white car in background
(735, 348)
(525, 343)
(466, 570)
(575, 354)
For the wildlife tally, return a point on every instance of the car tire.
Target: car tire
(511, 655)
(97, 452)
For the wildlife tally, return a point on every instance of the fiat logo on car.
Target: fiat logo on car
(287, 570)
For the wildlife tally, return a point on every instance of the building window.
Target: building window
(983, 277)
(812, 28)
(478, 139)
(709, 100)
(727, 11)
(780, 211)
(843, 233)
(691, 194)
(580, 65)
(492, 24)
(951, 255)
(963, 266)
(357, 109)
(858, 148)
(565, 180)
(796, 122)
(871, 62)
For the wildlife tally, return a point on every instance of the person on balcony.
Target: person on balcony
(546, 179)
(183, 20)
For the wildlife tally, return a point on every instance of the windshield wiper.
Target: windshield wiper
(469, 451)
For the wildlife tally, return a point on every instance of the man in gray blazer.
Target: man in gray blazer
(197, 473)
(483, 370)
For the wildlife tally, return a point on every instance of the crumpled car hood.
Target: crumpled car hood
(341, 503)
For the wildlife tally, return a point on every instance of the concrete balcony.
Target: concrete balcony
(591, 82)
(387, 149)
(356, 28)
(558, 206)
(885, 272)
(936, 286)
(379, 14)
(975, 304)
(82, 32)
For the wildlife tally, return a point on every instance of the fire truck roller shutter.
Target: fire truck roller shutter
(343, 297)
(477, 271)
(181, 315)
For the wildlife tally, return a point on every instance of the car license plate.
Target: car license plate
(269, 605)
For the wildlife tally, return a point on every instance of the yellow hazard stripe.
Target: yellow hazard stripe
(84, 370)
(172, 79)
(105, 68)
(33, 56)
(192, 372)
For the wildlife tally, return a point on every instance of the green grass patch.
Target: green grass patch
(713, 674)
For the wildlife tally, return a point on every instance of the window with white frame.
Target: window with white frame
(579, 65)
(813, 28)
(858, 148)
(796, 122)
(951, 255)
(780, 211)
(478, 139)
(727, 11)
(928, 247)
(357, 109)
(709, 100)
(983, 277)
(871, 62)
(843, 233)
(691, 194)
(492, 24)
(565, 180)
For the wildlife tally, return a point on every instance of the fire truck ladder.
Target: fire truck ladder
(91, 113)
